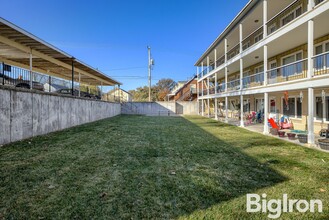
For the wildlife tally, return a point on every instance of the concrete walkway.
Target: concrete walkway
(259, 128)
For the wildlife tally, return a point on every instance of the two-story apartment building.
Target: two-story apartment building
(272, 58)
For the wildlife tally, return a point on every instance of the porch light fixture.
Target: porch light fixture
(301, 96)
(256, 21)
(256, 57)
(323, 93)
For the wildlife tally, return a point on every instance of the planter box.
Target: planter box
(302, 138)
(324, 144)
(281, 133)
(291, 136)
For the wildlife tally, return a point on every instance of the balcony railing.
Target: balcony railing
(233, 52)
(252, 38)
(291, 12)
(205, 71)
(212, 90)
(233, 85)
(289, 72)
(221, 88)
(253, 80)
(318, 1)
(321, 64)
(220, 61)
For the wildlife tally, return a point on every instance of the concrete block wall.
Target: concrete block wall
(25, 113)
(160, 108)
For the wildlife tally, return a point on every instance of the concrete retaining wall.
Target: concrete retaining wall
(160, 108)
(25, 114)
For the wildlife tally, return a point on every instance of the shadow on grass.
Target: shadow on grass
(128, 167)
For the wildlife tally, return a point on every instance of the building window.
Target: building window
(259, 71)
(292, 69)
(289, 108)
(259, 105)
(272, 106)
(294, 107)
(272, 28)
(258, 37)
(246, 45)
(294, 14)
(322, 109)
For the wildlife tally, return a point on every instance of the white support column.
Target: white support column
(310, 5)
(202, 107)
(202, 68)
(241, 111)
(310, 119)
(215, 57)
(101, 89)
(226, 78)
(208, 85)
(216, 109)
(31, 71)
(202, 87)
(310, 46)
(264, 18)
(79, 84)
(208, 110)
(225, 49)
(265, 113)
(265, 65)
(216, 83)
(226, 109)
(241, 73)
(240, 37)
(208, 64)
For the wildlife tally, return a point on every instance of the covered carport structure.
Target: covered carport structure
(22, 49)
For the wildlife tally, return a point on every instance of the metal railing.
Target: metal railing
(233, 85)
(220, 61)
(253, 80)
(212, 90)
(14, 76)
(250, 39)
(318, 1)
(233, 52)
(285, 13)
(289, 72)
(321, 64)
(221, 88)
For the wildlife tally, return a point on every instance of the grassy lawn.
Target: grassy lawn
(138, 167)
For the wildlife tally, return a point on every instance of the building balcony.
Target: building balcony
(290, 72)
(253, 80)
(233, 85)
(321, 64)
(252, 38)
(288, 14)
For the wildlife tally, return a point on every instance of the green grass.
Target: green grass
(138, 167)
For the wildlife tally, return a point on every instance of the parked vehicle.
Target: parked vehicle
(75, 93)
(20, 83)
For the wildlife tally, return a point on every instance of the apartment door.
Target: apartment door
(273, 73)
(293, 68)
(259, 105)
(321, 61)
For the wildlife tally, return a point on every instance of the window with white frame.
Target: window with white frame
(259, 104)
(292, 108)
(246, 45)
(272, 106)
(292, 15)
(322, 108)
(321, 61)
(295, 68)
(259, 71)
(246, 105)
(258, 37)
(272, 28)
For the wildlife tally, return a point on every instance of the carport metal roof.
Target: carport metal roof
(18, 45)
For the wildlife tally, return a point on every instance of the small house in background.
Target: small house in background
(117, 95)
(186, 91)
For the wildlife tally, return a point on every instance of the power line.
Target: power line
(128, 68)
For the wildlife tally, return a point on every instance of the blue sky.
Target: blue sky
(112, 35)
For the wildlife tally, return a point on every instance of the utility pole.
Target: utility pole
(150, 64)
